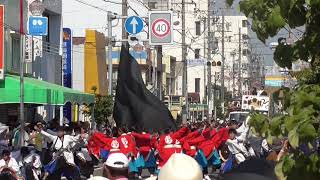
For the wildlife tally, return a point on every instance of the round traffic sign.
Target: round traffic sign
(134, 25)
(160, 28)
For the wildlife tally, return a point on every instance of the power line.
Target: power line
(113, 2)
(93, 6)
(140, 2)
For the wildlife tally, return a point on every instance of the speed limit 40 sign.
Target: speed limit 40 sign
(160, 27)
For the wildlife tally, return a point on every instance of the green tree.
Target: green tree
(302, 104)
(102, 108)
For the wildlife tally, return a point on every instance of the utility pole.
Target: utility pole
(204, 65)
(209, 90)
(124, 13)
(223, 62)
(22, 53)
(110, 51)
(184, 60)
(233, 53)
(210, 102)
(239, 66)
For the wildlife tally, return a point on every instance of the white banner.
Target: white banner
(196, 62)
(258, 103)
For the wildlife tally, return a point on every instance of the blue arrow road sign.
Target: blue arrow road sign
(134, 25)
(38, 26)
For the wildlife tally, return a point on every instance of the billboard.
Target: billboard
(1, 42)
(67, 67)
(257, 103)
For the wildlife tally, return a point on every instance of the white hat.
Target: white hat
(117, 160)
(180, 167)
(98, 178)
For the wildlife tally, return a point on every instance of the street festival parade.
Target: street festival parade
(160, 89)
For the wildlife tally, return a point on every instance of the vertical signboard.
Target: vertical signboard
(67, 67)
(160, 27)
(1, 42)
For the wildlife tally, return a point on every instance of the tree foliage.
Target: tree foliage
(301, 120)
(102, 108)
(301, 126)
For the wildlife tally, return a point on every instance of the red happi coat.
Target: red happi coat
(205, 142)
(97, 142)
(145, 143)
(128, 145)
(190, 150)
(170, 144)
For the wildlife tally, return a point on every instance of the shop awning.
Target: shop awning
(40, 92)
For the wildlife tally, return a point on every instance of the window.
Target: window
(245, 52)
(229, 38)
(228, 25)
(244, 23)
(235, 66)
(245, 36)
(197, 53)
(15, 54)
(152, 5)
(198, 28)
(197, 85)
(245, 66)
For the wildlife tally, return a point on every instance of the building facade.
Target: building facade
(236, 53)
(42, 53)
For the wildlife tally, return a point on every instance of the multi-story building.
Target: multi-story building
(43, 55)
(45, 52)
(43, 95)
(236, 53)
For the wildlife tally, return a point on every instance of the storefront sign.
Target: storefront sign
(67, 67)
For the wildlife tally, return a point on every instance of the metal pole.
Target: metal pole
(209, 89)
(22, 53)
(184, 53)
(124, 13)
(233, 75)
(209, 62)
(159, 62)
(93, 121)
(110, 51)
(223, 63)
(239, 66)
(214, 94)
(154, 71)
(204, 68)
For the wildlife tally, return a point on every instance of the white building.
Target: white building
(235, 27)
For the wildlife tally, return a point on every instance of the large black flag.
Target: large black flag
(135, 105)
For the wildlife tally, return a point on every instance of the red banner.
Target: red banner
(1, 42)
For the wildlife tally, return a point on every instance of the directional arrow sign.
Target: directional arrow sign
(134, 25)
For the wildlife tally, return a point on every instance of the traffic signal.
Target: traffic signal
(216, 63)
